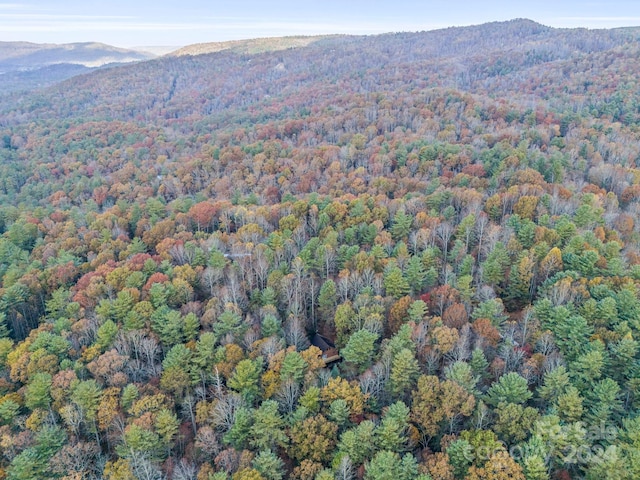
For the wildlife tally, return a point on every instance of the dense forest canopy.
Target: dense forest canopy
(405, 256)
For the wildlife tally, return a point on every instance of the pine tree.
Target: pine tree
(245, 379)
(510, 388)
(267, 431)
(359, 442)
(270, 466)
(394, 283)
(360, 349)
(401, 225)
(404, 372)
(327, 301)
(416, 275)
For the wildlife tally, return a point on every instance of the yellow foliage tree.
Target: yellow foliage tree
(339, 388)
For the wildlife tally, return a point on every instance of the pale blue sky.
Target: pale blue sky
(147, 22)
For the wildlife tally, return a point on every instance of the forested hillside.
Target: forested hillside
(406, 256)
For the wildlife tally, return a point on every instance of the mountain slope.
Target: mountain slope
(29, 80)
(486, 59)
(449, 218)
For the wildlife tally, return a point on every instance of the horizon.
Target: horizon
(122, 24)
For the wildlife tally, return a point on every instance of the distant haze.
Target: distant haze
(143, 22)
(158, 50)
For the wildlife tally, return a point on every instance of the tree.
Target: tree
(229, 322)
(394, 282)
(8, 411)
(343, 321)
(462, 373)
(339, 412)
(417, 311)
(359, 442)
(461, 455)
(623, 353)
(534, 468)
(203, 215)
(344, 470)
(327, 301)
(118, 470)
(514, 422)
(293, 367)
(33, 462)
(525, 207)
(611, 464)
(401, 225)
(166, 425)
(325, 474)
(510, 388)
(27, 466)
(493, 310)
(587, 368)
(435, 402)
(190, 327)
(551, 263)
(38, 393)
(494, 268)
(245, 379)
(80, 459)
(270, 466)
(267, 432)
(570, 405)
(571, 333)
(603, 401)
(175, 376)
(416, 275)
(339, 388)
(247, 474)
(519, 290)
(398, 313)
(106, 334)
(310, 400)
(204, 355)
(167, 323)
(386, 465)
(465, 230)
(500, 466)
(555, 384)
(360, 349)
(439, 467)
(455, 316)
(313, 439)
(392, 432)
(22, 234)
(123, 304)
(239, 430)
(404, 372)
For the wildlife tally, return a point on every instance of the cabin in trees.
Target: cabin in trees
(329, 351)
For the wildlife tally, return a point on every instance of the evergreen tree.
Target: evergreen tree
(360, 349)
(510, 388)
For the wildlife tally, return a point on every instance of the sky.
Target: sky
(127, 23)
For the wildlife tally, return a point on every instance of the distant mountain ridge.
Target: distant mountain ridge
(157, 50)
(26, 66)
(522, 57)
(29, 56)
(250, 46)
